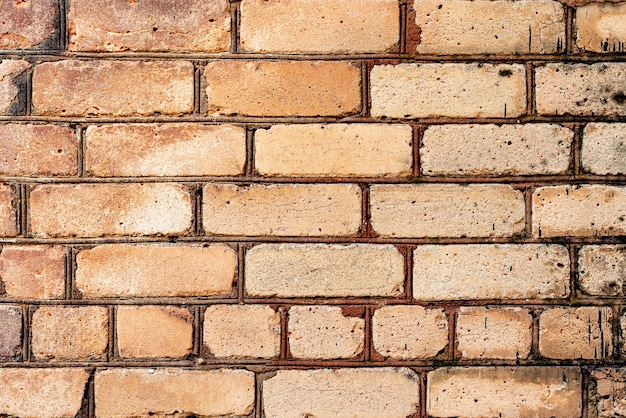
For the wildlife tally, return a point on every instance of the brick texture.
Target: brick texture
(8, 225)
(600, 27)
(10, 331)
(33, 271)
(603, 148)
(10, 71)
(27, 24)
(601, 270)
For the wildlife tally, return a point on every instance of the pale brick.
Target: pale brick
(451, 89)
(33, 271)
(9, 71)
(309, 270)
(8, 222)
(363, 149)
(494, 333)
(464, 150)
(282, 209)
(311, 26)
(342, 393)
(447, 210)
(581, 89)
(601, 27)
(128, 271)
(27, 24)
(67, 333)
(154, 331)
(604, 148)
(94, 210)
(113, 88)
(540, 392)
(242, 331)
(602, 270)
(149, 25)
(606, 397)
(576, 333)
(578, 3)
(10, 333)
(490, 27)
(173, 392)
(407, 332)
(285, 88)
(490, 271)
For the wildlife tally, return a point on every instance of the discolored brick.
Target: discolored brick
(607, 393)
(603, 149)
(33, 271)
(27, 24)
(10, 333)
(10, 70)
(602, 270)
(600, 27)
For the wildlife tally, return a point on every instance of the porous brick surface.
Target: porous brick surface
(600, 27)
(33, 271)
(8, 226)
(10, 331)
(27, 24)
(603, 149)
(10, 70)
(602, 270)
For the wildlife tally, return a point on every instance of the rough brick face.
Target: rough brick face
(608, 393)
(8, 225)
(10, 70)
(600, 27)
(33, 271)
(603, 149)
(27, 24)
(10, 332)
(602, 270)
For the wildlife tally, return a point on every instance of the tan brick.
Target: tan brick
(156, 271)
(490, 271)
(113, 88)
(541, 392)
(66, 333)
(409, 332)
(94, 210)
(446, 210)
(9, 71)
(578, 3)
(282, 209)
(196, 25)
(8, 222)
(579, 211)
(573, 333)
(27, 24)
(494, 333)
(462, 150)
(602, 270)
(312, 26)
(309, 270)
(284, 88)
(173, 392)
(604, 149)
(33, 271)
(236, 331)
(42, 393)
(606, 398)
(451, 89)
(600, 27)
(154, 331)
(334, 150)
(581, 89)
(342, 393)
(10, 333)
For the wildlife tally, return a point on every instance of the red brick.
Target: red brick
(8, 221)
(27, 24)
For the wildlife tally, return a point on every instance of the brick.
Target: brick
(324, 332)
(541, 392)
(33, 271)
(236, 331)
(407, 332)
(600, 27)
(10, 70)
(127, 271)
(490, 27)
(10, 333)
(283, 88)
(27, 24)
(8, 222)
(342, 393)
(150, 25)
(66, 333)
(95, 210)
(113, 88)
(579, 211)
(154, 331)
(467, 150)
(334, 150)
(449, 90)
(446, 210)
(581, 89)
(309, 270)
(578, 3)
(317, 26)
(42, 393)
(602, 270)
(576, 333)
(490, 271)
(607, 393)
(173, 149)
(494, 333)
(281, 209)
(603, 149)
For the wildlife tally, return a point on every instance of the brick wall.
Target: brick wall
(311, 208)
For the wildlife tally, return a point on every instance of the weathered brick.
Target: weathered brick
(602, 270)
(154, 331)
(541, 392)
(67, 333)
(33, 271)
(490, 271)
(113, 88)
(462, 150)
(600, 27)
(334, 150)
(446, 210)
(606, 397)
(281, 209)
(10, 333)
(409, 332)
(8, 222)
(572, 333)
(27, 24)
(151, 25)
(284, 88)
(308, 270)
(236, 331)
(94, 210)
(311, 26)
(494, 333)
(342, 393)
(156, 271)
(451, 89)
(9, 71)
(578, 3)
(604, 149)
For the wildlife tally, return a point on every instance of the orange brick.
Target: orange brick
(9, 71)
(8, 222)
(33, 271)
(27, 24)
